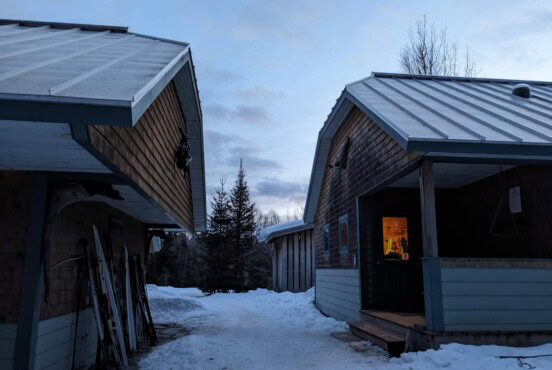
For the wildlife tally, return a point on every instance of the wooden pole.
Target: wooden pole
(32, 278)
(429, 218)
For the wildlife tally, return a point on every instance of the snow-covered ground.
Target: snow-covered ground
(266, 330)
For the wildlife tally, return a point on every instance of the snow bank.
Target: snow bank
(266, 330)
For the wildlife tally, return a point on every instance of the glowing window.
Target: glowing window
(395, 238)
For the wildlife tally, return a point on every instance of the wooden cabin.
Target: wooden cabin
(431, 202)
(98, 127)
(292, 255)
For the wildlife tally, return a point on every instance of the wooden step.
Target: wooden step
(395, 322)
(390, 341)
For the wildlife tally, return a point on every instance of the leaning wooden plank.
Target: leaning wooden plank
(141, 306)
(143, 287)
(96, 306)
(111, 297)
(130, 313)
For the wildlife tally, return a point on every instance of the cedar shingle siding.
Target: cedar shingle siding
(146, 154)
(373, 158)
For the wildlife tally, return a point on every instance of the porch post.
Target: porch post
(31, 280)
(429, 219)
(433, 298)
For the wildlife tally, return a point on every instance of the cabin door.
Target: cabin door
(396, 247)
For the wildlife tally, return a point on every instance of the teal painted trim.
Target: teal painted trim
(31, 281)
(68, 112)
(433, 296)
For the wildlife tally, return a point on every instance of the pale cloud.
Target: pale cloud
(242, 113)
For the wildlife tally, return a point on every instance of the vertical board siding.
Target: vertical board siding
(296, 266)
(289, 246)
(489, 299)
(56, 338)
(338, 294)
(302, 262)
(308, 269)
(145, 153)
(293, 262)
(283, 264)
(274, 247)
(7, 345)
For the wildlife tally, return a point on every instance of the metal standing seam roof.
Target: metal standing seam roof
(93, 66)
(443, 114)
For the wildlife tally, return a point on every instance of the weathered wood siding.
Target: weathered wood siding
(146, 154)
(373, 159)
(338, 293)
(491, 299)
(294, 261)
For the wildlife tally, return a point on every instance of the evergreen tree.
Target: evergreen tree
(216, 244)
(242, 235)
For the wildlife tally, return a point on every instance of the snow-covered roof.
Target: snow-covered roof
(269, 233)
(443, 115)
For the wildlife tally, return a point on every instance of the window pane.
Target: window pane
(395, 238)
(343, 234)
(326, 236)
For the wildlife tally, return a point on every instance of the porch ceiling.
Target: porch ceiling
(45, 146)
(452, 175)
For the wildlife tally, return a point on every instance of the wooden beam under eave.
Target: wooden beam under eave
(429, 218)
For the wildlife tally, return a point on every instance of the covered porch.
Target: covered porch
(458, 251)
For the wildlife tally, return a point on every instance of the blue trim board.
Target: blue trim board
(433, 296)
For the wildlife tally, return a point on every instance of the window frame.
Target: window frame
(343, 219)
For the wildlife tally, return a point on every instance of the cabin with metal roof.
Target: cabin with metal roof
(430, 199)
(101, 144)
(292, 255)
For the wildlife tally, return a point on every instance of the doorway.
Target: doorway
(396, 249)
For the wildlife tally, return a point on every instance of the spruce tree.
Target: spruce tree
(242, 235)
(216, 245)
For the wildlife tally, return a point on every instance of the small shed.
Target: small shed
(292, 255)
(431, 202)
(101, 149)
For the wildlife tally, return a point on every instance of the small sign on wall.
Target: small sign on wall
(515, 200)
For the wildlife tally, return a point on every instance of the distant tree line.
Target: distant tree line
(227, 257)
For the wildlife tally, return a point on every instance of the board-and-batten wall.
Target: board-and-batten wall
(490, 299)
(56, 342)
(338, 293)
(293, 262)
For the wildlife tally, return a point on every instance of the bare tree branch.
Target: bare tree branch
(430, 52)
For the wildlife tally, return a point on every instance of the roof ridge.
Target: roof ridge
(63, 25)
(451, 78)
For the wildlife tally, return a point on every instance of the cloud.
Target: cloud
(280, 189)
(218, 75)
(254, 163)
(242, 113)
(260, 93)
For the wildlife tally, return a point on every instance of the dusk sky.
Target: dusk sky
(269, 72)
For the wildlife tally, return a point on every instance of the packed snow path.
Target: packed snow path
(266, 330)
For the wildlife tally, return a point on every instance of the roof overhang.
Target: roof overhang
(270, 233)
